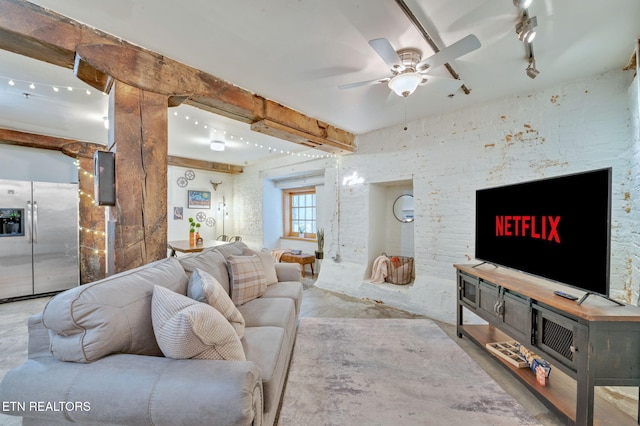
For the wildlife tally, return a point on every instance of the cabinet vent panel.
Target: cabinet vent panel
(470, 291)
(557, 338)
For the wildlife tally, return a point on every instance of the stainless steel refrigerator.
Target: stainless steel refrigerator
(38, 237)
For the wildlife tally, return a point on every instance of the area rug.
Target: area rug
(389, 372)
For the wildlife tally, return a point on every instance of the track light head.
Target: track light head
(525, 29)
(522, 4)
(531, 70)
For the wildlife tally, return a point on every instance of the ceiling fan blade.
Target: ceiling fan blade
(449, 53)
(386, 51)
(363, 83)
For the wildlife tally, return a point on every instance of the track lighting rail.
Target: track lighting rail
(414, 20)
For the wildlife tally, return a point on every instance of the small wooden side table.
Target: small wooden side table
(302, 259)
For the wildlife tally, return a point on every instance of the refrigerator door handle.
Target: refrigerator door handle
(35, 222)
(27, 231)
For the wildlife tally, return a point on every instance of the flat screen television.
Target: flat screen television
(557, 228)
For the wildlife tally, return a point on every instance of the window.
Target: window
(300, 212)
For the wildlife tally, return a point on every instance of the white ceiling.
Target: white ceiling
(297, 52)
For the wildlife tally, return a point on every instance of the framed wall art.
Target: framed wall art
(199, 199)
(178, 213)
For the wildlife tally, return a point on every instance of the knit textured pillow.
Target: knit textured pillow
(247, 278)
(186, 328)
(206, 289)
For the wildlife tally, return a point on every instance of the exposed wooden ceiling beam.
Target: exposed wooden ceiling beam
(97, 57)
(205, 165)
(75, 149)
(32, 140)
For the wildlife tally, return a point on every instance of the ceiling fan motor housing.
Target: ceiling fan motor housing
(410, 57)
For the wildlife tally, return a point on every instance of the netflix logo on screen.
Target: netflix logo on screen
(536, 227)
(557, 228)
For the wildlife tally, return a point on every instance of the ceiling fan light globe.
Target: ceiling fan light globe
(405, 84)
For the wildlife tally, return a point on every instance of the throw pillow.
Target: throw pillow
(246, 278)
(267, 263)
(206, 289)
(185, 328)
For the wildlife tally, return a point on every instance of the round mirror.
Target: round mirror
(403, 208)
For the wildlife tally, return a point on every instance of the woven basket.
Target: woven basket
(401, 271)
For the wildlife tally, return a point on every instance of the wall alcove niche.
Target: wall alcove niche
(387, 233)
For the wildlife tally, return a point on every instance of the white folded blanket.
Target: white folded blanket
(380, 270)
(277, 253)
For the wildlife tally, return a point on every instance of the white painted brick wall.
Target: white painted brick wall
(634, 202)
(575, 127)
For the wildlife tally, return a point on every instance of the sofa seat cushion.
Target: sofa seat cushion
(288, 290)
(112, 315)
(271, 312)
(186, 328)
(138, 390)
(206, 289)
(268, 348)
(209, 261)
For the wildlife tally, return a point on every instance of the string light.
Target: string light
(93, 249)
(56, 88)
(85, 194)
(84, 172)
(82, 229)
(33, 85)
(256, 145)
(93, 231)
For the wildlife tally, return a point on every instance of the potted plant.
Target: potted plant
(194, 231)
(320, 239)
(301, 229)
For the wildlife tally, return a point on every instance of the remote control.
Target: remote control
(565, 295)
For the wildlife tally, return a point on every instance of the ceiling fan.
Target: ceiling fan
(408, 68)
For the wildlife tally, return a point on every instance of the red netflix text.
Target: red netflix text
(538, 227)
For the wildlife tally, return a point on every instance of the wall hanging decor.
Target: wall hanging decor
(199, 199)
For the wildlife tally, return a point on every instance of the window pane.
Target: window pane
(301, 206)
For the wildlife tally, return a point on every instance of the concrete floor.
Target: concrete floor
(316, 303)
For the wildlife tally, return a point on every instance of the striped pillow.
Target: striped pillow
(206, 289)
(186, 328)
(247, 278)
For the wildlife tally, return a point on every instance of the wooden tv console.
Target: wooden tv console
(593, 344)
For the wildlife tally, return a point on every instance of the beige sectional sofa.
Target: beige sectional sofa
(93, 356)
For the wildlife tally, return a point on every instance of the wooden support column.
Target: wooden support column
(92, 226)
(137, 230)
(92, 217)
